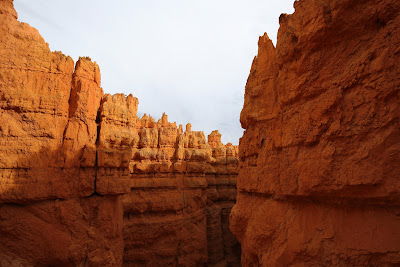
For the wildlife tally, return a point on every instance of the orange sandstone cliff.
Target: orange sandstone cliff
(85, 182)
(319, 171)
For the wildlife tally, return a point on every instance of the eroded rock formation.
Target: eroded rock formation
(178, 189)
(85, 182)
(319, 171)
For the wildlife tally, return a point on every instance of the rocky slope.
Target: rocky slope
(85, 182)
(319, 171)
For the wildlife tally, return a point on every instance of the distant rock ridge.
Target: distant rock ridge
(85, 182)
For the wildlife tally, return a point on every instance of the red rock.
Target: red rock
(170, 188)
(35, 116)
(81, 131)
(319, 174)
(28, 105)
(84, 181)
(73, 232)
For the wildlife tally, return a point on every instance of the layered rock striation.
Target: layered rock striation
(49, 213)
(85, 182)
(178, 189)
(319, 172)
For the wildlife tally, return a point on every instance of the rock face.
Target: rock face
(47, 121)
(85, 182)
(319, 171)
(178, 189)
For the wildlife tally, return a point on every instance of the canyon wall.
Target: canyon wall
(178, 189)
(85, 182)
(319, 170)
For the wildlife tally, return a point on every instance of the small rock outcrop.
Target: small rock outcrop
(319, 171)
(85, 182)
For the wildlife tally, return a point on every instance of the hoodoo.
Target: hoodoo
(319, 171)
(85, 182)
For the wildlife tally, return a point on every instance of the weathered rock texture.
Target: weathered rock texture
(85, 182)
(47, 121)
(319, 171)
(178, 189)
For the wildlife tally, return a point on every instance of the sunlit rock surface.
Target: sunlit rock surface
(319, 171)
(85, 182)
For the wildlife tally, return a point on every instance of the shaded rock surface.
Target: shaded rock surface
(85, 182)
(71, 232)
(319, 171)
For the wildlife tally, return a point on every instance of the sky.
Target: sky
(187, 58)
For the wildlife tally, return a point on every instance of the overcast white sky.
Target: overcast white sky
(188, 58)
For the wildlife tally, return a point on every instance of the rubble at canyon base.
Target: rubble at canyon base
(319, 171)
(85, 182)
